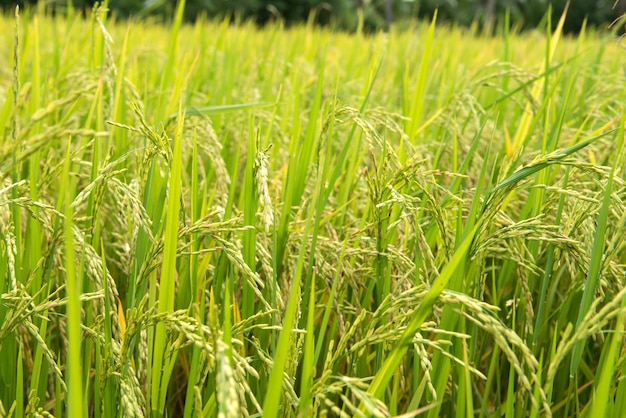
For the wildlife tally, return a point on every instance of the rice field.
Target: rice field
(224, 220)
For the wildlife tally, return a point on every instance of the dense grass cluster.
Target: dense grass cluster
(218, 220)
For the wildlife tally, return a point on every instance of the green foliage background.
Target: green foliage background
(344, 13)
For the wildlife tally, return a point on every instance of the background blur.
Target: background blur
(376, 14)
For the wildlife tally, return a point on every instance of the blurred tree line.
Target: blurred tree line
(376, 14)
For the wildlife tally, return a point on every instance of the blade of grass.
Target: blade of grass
(383, 376)
(196, 283)
(419, 94)
(160, 377)
(449, 321)
(547, 160)
(595, 268)
(540, 320)
(19, 383)
(74, 400)
(272, 403)
(305, 407)
(168, 73)
(109, 406)
(297, 172)
(249, 202)
(601, 404)
(220, 109)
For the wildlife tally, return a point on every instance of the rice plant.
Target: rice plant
(226, 220)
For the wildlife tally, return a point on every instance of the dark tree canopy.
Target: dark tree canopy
(376, 13)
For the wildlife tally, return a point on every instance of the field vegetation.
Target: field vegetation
(224, 220)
